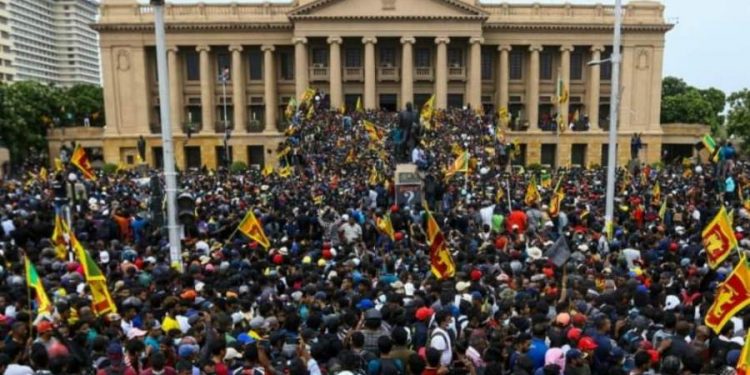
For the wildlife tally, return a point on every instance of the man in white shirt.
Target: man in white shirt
(350, 229)
(440, 339)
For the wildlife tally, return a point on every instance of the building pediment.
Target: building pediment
(387, 9)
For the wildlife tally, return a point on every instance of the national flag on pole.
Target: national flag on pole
(461, 164)
(656, 194)
(428, 111)
(101, 300)
(252, 228)
(532, 193)
(663, 210)
(718, 238)
(307, 96)
(709, 143)
(291, 107)
(34, 282)
(43, 175)
(441, 261)
(58, 165)
(284, 172)
(359, 108)
(546, 180)
(554, 203)
(60, 237)
(561, 92)
(743, 363)
(373, 131)
(81, 161)
(731, 297)
(385, 226)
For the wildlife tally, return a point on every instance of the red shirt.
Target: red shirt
(430, 371)
(517, 218)
(221, 369)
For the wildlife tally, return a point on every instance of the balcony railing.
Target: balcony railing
(388, 73)
(220, 126)
(457, 73)
(423, 73)
(155, 128)
(255, 126)
(353, 74)
(192, 126)
(319, 74)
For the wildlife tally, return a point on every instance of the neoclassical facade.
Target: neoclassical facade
(388, 52)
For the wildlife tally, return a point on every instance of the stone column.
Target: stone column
(474, 95)
(407, 70)
(369, 100)
(239, 100)
(503, 78)
(532, 91)
(565, 51)
(337, 90)
(593, 87)
(441, 73)
(175, 90)
(269, 78)
(207, 90)
(301, 72)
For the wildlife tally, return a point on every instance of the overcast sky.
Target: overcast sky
(707, 47)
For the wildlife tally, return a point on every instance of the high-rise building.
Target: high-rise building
(53, 42)
(7, 70)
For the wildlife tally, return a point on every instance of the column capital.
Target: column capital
(442, 40)
(369, 40)
(504, 47)
(267, 47)
(536, 48)
(235, 48)
(172, 49)
(476, 40)
(408, 40)
(597, 48)
(202, 48)
(299, 40)
(567, 48)
(334, 40)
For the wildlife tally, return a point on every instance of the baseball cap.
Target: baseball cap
(423, 313)
(587, 343)
(365, 304)
(574, 334)
(43, 326)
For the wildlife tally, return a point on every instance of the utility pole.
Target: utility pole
(613, 107)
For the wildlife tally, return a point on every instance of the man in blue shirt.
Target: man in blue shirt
(538, 347)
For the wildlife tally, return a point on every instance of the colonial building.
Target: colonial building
(388, 52)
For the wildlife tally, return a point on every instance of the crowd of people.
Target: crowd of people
(334, 295)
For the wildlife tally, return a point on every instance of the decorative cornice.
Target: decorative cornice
(408, 40)
(388, 17)
(577, 27)
(193, 26)
(303, 11)
(370, 40)
(334, 40)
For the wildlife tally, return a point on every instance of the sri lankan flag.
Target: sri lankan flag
(359, 108)
(375, 134)
(307, 96)
(33, 281)
(428, 111)
(656, 194)
(743, 363)
(710, 144)
(252, 228)
(284, 172)
(43, 175)
(441, 261)
(554, 203)
(375, 176)
(350, 156)
(291, 107)
(663, 210)
(58, 165)
(532, 193)
(385, 226)
(732, 296)
(718, 238)
(59, 239)
(102, 301)
(267, 171)
(546, 180)
(461, 164)
(81, 161)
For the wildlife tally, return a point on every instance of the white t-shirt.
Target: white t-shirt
(351, 232)
(442, 341)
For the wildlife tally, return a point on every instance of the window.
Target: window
(388, 56)
(320, 57)
(353, 57)
(192, 66)
(455, 57)
(605, 72)
(193, 114)
(516, 65)
(6, 49)
(576, 66)
(256, 64)
(545, 66)
(287, 65)
(487, 65)
(5, 35)
(223, 62)
(422, 58)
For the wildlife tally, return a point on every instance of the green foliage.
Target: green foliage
(658, 165)
(238, 167)
(110, 169)
(28, 109)
(686, 104)
(534, 167)
(738, 117)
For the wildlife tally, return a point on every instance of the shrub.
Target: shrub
(238, 167)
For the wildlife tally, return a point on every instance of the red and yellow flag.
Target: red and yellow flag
(532, 193)
(656, 194)
(101, 300)
(743, 363)
(460, 165)
(441, 260)
(58, 237)
(554, 203)
(732, 296)
(33, 281)
(81, 161)
(385, 226)
(251, 227)
(718, 238)
(375, 134)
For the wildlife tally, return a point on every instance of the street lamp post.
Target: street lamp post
(614, 102)
(170, 176)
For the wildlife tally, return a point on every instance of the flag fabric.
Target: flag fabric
(561, 92)
(291, 107)
(428, 110)
(267, 171)
(743, 363)
(663, 210)
(59, 237)
(318, 198)
(58, 165)
(385, 226)
(372, 130)
(81, 161)
(546, 180)
(307, 96)
(555, 201)
(461, 164)
(101, 300)
(731, 297)
(532, 193)
(718, 238)
(251, 227)
(656, 194)
(34, 282)
(358, 106)
(559, 252)
(709, 143)
(441, 261)
(350, 157)
(284, 172)
(375, 176)
(43, 175)
(310, 112)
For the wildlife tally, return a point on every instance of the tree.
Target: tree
(686, 104)
(738, 116)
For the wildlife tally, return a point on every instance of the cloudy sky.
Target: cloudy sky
(707, 47)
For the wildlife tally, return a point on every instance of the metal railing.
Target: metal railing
(219, 125)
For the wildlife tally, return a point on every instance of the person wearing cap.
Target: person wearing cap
(44, 330)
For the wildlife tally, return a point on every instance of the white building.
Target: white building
(7, 69)
(53, 42)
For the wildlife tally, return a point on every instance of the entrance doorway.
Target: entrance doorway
(389, 102)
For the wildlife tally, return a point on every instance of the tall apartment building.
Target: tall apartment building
(7, 69)
(53, 42)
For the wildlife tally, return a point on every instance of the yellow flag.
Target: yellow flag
(267, 171)
(428, 110)
(359, 107)
(252, 228)
(58, 165)
(43, 174)
(285, 172)
(532, 193)
(372, 130)
(385, 226)
(461, 164)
